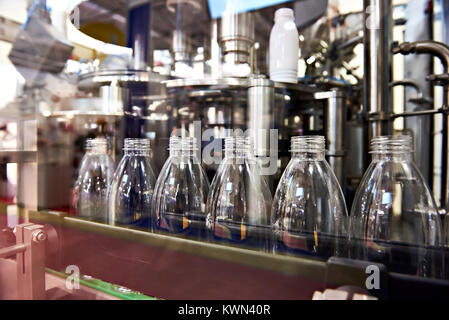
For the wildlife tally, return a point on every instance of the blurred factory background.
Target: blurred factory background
(112, 58)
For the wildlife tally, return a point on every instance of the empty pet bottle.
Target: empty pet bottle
(394, 219)
(181, 190)
(132, 187)
(309, 212)
(239, 203)
(89, 196)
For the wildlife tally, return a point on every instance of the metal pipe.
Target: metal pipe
(215, 57)
(418, 113)
(13, 250)
(437, 49)
(377, 63)
(261, 93)
(408, 83)
(441, 51)
(335, 118)
(260, 108)
(139, 23)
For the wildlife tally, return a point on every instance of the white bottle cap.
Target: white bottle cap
(284, 13)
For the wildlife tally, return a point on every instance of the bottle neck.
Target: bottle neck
(143, 153)
(137, 147)
(310, 156)
(183, 147)
(308, 148)
(98, 146)
(238, 147)
(397, 148)
(392, 156)
(182, 153)
(283, 19)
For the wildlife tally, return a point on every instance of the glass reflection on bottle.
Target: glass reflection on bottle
(309, 212)
(132, 187)
(239, 202)
(89, 196)
(446, 245)
(181, 191)
(446, 230)
(394, 219)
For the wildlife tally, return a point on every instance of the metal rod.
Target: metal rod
(11, 251)
(408, 83)
(377, 63)
(418, 113)
(335, 118)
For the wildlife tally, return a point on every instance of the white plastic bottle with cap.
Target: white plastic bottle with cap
(284, 47)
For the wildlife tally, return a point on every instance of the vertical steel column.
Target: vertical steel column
(335, 119)
(260, 121)
(138, 38)
(260, 109)
(377, 65)
(215, 57)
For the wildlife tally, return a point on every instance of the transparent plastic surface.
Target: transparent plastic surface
(309, 212)
(239, 202)
(132, 187)
(179, 202)
(446, 245)
(446, 230)
(394, 219)
(89, 196)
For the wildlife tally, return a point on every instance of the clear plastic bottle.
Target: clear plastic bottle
(394, 219)
(309, 212)
(446, 230)
(446, 245)
(132, 187)
(89, 196)
(239, 202)
(179, 203)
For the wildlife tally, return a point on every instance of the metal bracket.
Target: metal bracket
(379, 116)
(30, 259)
(439, 79)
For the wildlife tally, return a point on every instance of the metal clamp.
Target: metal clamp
(379, 116)
(30, 258)
(439, 79)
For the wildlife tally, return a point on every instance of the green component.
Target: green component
(108, 288)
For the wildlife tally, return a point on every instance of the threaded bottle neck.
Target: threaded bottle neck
(399, 146)
(308, 147)
(137, 147)
(183, 146)
(238, 147)
(97, 146)
(286, 14)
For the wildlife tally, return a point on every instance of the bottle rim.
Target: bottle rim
(137, 144)
(308, 144)
(182, 144)
(97, 145)
(239, 144)
(391, 144)
(284, 13)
